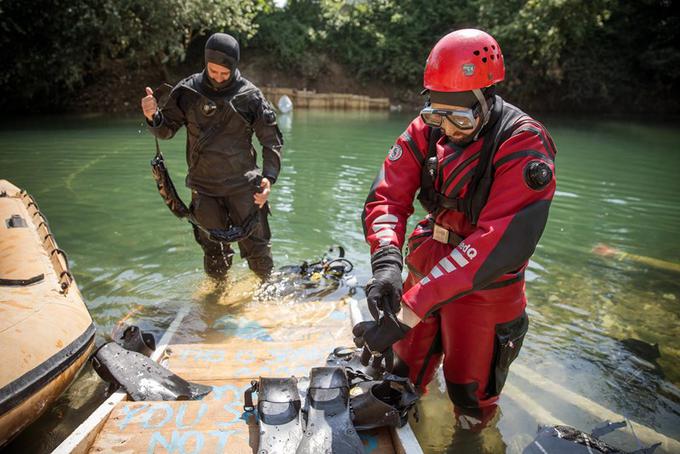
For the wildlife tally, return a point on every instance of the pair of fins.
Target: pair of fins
(323, 427)
(342, 398)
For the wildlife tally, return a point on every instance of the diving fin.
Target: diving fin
(136, 340)
(382, 403)
(278, 408)
(142, 378)
(328, 427)
(350, 359)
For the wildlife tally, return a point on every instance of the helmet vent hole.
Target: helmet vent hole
(493, 47)
(476, 52)
(483, 59)
(486, 49)
(492, 56)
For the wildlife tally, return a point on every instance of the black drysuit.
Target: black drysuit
(223, 171)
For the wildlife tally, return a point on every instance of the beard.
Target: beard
(218, 85)
(461, 139)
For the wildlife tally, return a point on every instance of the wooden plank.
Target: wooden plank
(243, 358)
(405, 441)
(261, 340)
(528, 404)
(268, 340)
(210, 425)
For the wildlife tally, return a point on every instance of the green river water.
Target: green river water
(618, 184)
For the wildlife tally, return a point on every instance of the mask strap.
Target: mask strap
(482, 102)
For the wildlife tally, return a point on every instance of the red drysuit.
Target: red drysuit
(470, 296)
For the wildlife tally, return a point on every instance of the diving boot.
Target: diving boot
(382, 403)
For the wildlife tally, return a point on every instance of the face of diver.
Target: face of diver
(456, 135)
(218, 73)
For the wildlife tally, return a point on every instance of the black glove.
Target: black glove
(383, 291)
(377, 339)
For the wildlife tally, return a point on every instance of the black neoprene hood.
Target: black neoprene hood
(222, 49)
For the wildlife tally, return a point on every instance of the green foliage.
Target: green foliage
(294, 37)
(598, 55)
(560, 54)
(50, 47)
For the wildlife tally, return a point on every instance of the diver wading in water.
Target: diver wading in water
(486, 175)
(221, 110)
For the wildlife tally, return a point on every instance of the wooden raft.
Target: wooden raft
(271, 340)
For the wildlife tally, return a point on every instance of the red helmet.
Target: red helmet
(464, 60)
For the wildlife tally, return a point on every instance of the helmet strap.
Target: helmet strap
(486, 112)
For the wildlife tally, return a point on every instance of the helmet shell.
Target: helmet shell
(464, 60)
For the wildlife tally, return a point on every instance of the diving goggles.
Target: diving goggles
(460, 118)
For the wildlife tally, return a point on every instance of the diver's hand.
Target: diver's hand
(149, 105)
(262, 196)
(383, 291)
(377, 339)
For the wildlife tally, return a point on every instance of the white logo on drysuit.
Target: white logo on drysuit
(451, 262)
(395, 153)
(469, 250)
(384, 227)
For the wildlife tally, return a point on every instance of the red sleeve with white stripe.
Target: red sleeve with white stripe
(509, 227)
(390, 201)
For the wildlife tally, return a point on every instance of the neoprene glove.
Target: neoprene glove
(383, 291)
(377, 339)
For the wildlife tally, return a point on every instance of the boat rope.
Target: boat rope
(57, 256)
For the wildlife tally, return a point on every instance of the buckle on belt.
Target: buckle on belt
(440, 234)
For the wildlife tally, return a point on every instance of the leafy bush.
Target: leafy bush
(50, 47)
(605, 55)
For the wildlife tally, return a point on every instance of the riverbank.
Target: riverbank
(119, 90)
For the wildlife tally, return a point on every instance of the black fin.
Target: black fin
(278, 407)
(328, 426)
(142, 378)
(136, 340)
(350, 359)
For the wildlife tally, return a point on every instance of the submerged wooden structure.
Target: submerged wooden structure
(267, 339)
(310, 99)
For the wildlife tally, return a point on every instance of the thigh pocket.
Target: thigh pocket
(508, 341)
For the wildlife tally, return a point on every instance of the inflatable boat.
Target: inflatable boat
(46, 332)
